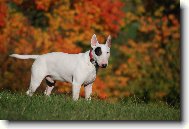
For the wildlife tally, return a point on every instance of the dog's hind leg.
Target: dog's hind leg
(50, 85)
(34, 84)
(38, 74)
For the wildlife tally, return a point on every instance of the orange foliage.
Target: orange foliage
(3, 13)
(108, 13)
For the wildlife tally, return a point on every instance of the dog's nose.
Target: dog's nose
(104, 65)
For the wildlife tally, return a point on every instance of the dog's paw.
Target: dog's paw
(29, 93)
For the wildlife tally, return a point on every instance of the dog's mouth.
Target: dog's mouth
(103, 65)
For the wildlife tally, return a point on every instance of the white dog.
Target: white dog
(77, 69)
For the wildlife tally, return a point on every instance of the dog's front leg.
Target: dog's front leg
(75, 91)
(88, 91)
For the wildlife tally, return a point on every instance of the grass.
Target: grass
(17, 106)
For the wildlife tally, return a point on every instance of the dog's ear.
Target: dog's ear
(94, 41)
(108, 41)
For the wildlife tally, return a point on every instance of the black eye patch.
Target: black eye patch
(98, 51)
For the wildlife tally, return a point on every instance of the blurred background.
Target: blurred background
(145, 53)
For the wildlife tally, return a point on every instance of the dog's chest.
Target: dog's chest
(91, 76)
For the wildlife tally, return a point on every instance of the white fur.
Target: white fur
(73, 68)
(24, 56)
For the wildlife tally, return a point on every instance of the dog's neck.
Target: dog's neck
(92, 60)
(91, 55)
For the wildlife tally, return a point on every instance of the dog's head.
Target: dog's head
(101, 52)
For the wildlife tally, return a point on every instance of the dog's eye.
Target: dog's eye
(98, 51)
(108, 52)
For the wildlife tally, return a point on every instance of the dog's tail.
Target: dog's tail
(24, 56)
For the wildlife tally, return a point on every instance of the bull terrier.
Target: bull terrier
(77, 69)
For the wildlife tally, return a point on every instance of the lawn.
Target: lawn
(18, 106)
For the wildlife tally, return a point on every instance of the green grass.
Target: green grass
(17, 106)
